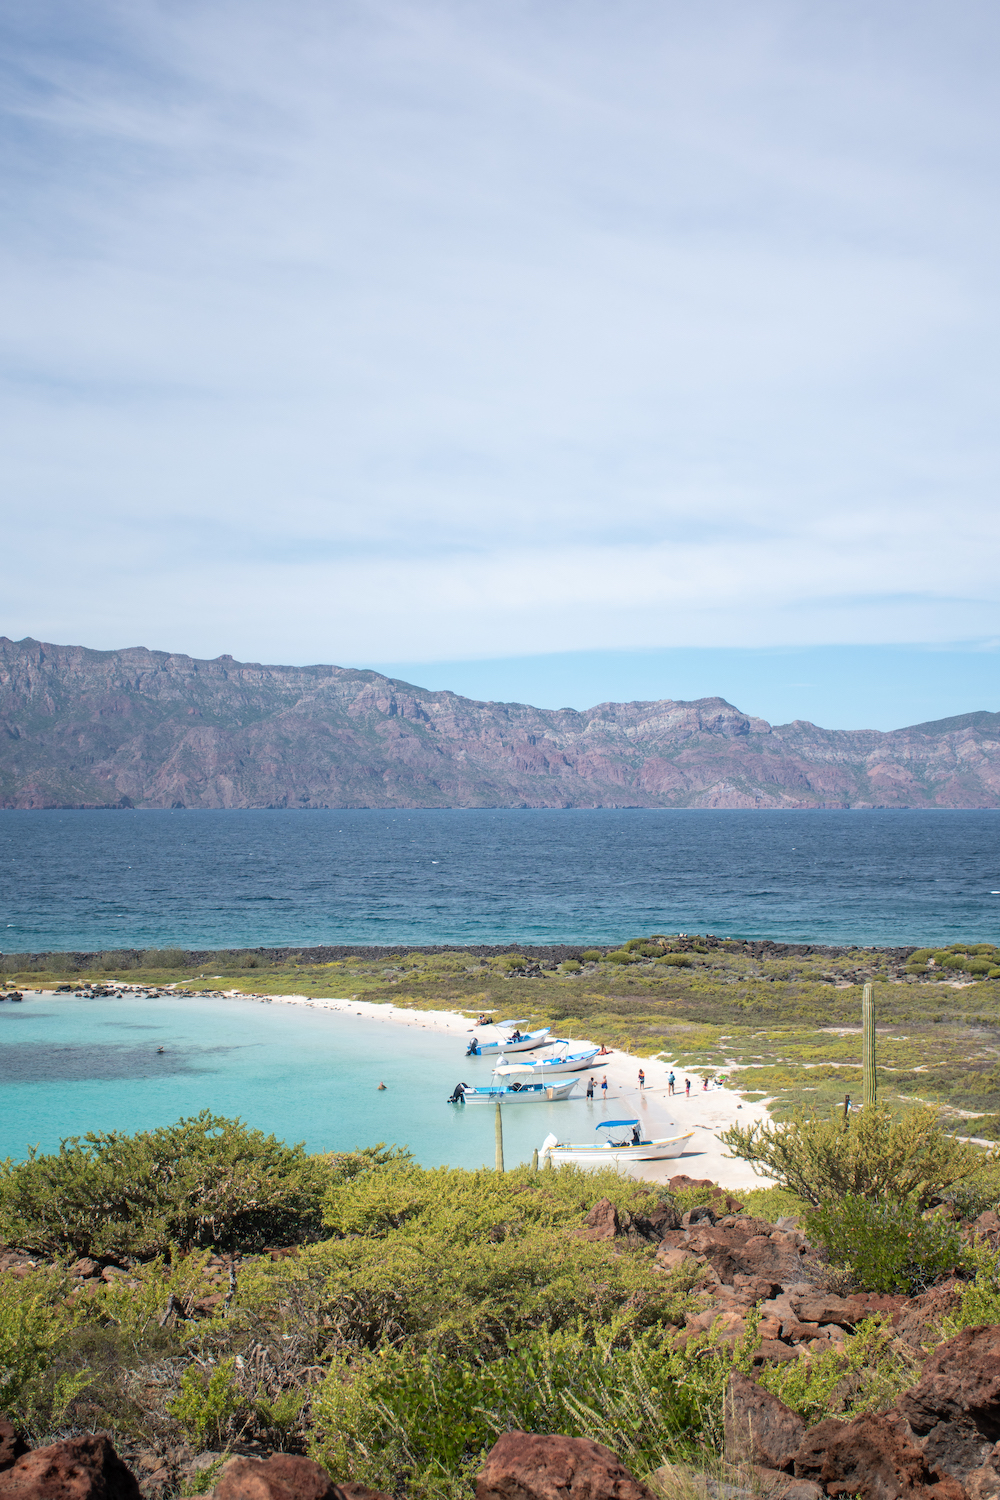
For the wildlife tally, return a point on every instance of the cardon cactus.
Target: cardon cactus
(868, 1046)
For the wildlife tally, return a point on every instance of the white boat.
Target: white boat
(628, 1147)
(526, 1042)
(513, 1093)
(559, 1060)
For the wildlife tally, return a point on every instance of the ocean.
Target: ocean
(96, 881)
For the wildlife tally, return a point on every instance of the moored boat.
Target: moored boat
(509, 1040)
(559, 1060)
(513, 1093)
(630, 1147)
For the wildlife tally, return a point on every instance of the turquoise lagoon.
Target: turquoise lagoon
(70, 1065)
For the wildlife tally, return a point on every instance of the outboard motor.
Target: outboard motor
(473, 1049)
(458, 1094)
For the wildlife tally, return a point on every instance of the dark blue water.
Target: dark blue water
(101, 880)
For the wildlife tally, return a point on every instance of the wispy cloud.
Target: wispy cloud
(519, 328)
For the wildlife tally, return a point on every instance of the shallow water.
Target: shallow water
(68, 1066)
(102, 880)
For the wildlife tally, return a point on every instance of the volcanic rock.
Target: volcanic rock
(759, 1428)
(83, 1468)
(523, 1466)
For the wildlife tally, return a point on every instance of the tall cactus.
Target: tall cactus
(499, 1134)
(868, 1046)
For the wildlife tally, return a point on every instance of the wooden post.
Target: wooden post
(868, 1047)
(499, 1132)
(534, 1160)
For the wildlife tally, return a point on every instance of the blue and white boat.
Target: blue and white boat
(509, 1039)
(513, 1093)
(559, 1060)
(626, 1145)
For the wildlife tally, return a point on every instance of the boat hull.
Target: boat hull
(585, 1155)
(544, 1067)
(540, 1093)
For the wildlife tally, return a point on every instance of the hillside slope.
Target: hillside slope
(81, 728)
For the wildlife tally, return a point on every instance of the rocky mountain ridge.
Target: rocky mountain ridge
(83, 728)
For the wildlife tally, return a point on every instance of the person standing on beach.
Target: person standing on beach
(670, 1082)
(687, 1088)
(590, 1087)
(642, 1080)
(604, 1086)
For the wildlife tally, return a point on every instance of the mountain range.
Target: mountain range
(83, 728)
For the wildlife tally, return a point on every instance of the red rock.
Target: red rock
(872, 1457)
(85, 1267)
(961, 1379)
(829, 1309)
(86, 1468)
(700, 1215)
(684, 1184)
(674, 1259)
(284, 1476)
(602, 1221)
(524, 1466)
(759, 1428)
(12, 1444)
(773, 1351)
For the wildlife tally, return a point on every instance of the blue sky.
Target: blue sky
(610, 341)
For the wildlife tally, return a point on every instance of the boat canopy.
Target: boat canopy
(520, 1021)
(507, 1068)
(612, 1124)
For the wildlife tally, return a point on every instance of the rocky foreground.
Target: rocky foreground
(756, 1284)
(81, 728)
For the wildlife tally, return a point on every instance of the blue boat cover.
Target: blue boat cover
(607, 1124)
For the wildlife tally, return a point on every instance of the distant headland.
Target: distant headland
(153, 729)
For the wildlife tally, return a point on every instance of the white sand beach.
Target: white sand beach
(706, 1112)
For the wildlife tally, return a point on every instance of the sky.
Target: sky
(579, 351)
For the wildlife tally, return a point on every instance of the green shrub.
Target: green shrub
(592, 955)
(570, 966)
(513, 961)
(978, 966)
(874, 1155)
(620, 956)
(920, 956)
(677, 960)
(887, 1246)
(164, 958)
(204, 1181)
(34, 1322)
(867, 1375)
(206, 1403)
(463, 1261)
(993, 974)
(389, 1419)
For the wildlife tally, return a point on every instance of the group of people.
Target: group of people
(672, 1085)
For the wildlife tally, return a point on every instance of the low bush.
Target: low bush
(34, 1323)
(873, 1155)
(204, 1181)
(621, 956)
(887, 1247)
(678, 960)
(388, 1420)
(570, 966)
(867, 1374)
(206, 1403)
(592, 955)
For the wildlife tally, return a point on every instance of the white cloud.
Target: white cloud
(452, 331)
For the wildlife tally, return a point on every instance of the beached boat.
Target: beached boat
(559, 1060)
(505, 1042)
(513, 1093)
(623, 1146)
